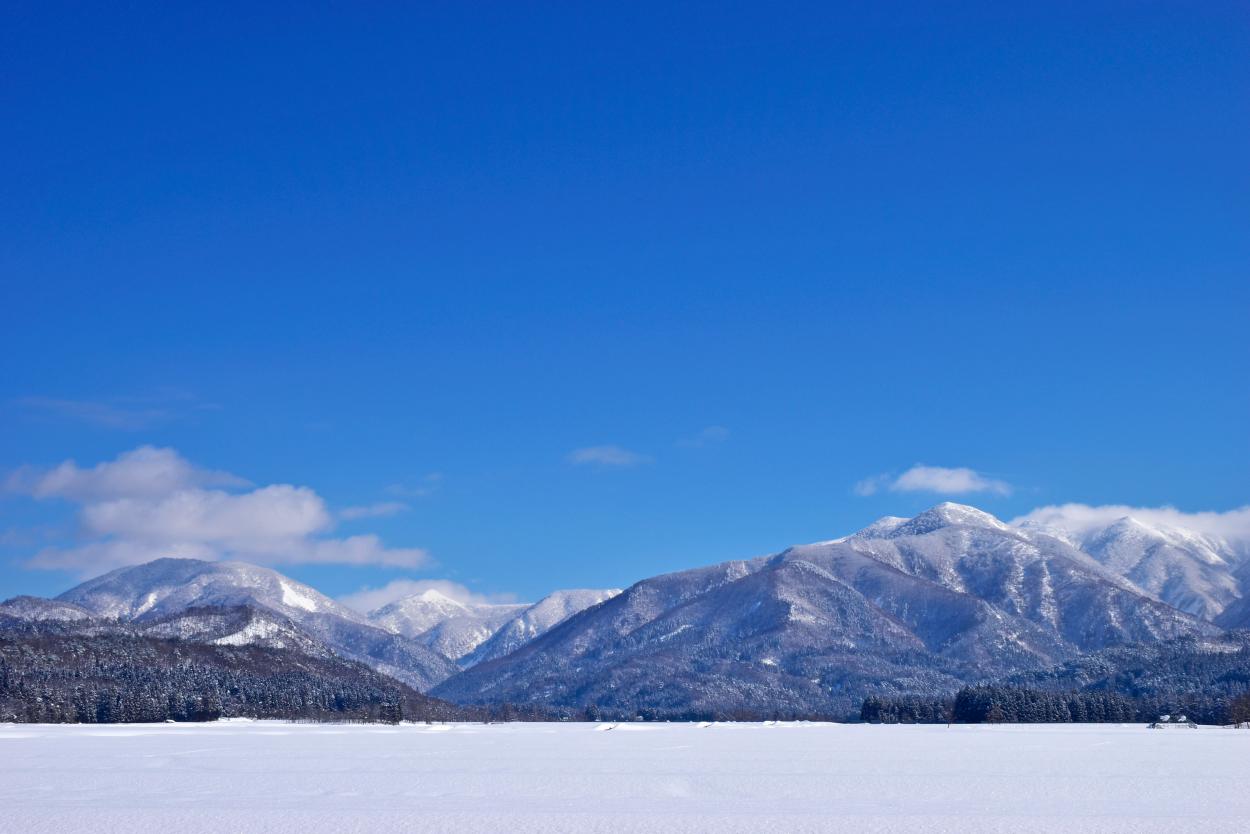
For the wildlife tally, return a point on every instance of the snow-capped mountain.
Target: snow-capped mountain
(449, 626)
(924, 604)
(170, 586)
(1192, 571)
(533, 621)
(167, 587)
(951, 595)
(472, 632)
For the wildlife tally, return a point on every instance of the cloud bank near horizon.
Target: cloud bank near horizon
(151, 502)
(1081, 519)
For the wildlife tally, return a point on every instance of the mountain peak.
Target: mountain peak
(435, 595)
(948, 514)
(879, 529)
(169, 585)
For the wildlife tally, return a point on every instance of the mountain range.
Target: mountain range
(920, 605)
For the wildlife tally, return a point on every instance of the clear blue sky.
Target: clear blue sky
(423, 255)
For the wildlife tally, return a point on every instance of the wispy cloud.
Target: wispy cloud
(709, 436)
(152, 502)
(606, 456)
(1081, 519)
(371, 599)
(941, 480)
(382, 509)
(424, 487)
(119, 413)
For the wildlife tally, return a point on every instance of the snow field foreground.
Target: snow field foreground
(249, 777)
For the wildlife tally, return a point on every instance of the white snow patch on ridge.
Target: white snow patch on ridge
(292, 597)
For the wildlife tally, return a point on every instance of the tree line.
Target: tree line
(123, 678)
(1015, 704)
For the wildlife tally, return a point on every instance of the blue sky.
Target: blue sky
(567, 296)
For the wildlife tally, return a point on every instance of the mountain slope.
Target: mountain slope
(535, 620)
(448, 626)
(37, 608)
(951, 595)
(1197, 573)
(1025, 576)
(168, 587)
(54, 675)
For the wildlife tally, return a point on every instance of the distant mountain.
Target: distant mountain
(169, 588)
(448, 626)
(472, 632)
(918, 604)
(535, 620)
(906, 606)
(1195, 572)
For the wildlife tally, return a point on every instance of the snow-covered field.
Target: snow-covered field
(250, 777)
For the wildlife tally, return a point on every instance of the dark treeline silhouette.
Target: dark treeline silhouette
(916, 709)
(1015, 704)
(117, 678)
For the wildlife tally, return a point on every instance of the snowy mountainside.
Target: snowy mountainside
(1198, 573)
(953, 594)
(167, 587)
(535, 620)
(240, 625)
(472, 632)
(37, 609)
(446, 625)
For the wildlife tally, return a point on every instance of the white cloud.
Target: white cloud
(382, 509)
(938, 479)
(150, 503)
(606, 456)
(370, 599)
(1081, 519)
(709, 436)
(147, 471)
(273, 513)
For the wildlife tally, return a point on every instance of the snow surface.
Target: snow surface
(250, 777)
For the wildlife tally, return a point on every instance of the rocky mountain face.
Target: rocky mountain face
(167, 589)
(952, 595)
(472, 632)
